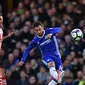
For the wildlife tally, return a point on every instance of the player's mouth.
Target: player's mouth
(40, 34)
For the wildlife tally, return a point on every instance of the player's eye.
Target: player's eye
(39, 29)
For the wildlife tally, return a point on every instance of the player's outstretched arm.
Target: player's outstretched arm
(9, 35)
(26, 52)
(54, 31)
(58, 32)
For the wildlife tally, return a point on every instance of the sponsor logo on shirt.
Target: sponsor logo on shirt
(45, 42)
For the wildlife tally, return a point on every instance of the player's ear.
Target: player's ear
(42, 26)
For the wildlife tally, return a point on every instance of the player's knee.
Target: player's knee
(50, 64)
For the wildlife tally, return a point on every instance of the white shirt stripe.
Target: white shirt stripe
(56, 44)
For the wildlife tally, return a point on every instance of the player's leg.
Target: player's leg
(51, 66)
(53, 72)
(52, 82)
(61, 75)
(4, 82)
(2, 77)
(59, 68)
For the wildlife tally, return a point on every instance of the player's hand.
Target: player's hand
(20, 63)
(49, 36)
(10, 34)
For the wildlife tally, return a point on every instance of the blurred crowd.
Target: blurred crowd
(67, 14)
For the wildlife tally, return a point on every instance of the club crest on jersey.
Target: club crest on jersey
(38, 43)
(46, 37)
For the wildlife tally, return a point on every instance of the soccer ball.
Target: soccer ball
(76, 34)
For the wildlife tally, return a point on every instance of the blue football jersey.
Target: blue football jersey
(48, 47)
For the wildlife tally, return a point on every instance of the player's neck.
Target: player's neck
(43, 33)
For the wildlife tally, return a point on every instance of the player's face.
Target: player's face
(1, 19)
(39, 31)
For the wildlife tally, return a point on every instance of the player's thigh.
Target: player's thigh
(48, 62)
(58, 64)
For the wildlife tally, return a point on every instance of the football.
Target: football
(76, 34)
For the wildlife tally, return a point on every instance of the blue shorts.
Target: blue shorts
(57, 61)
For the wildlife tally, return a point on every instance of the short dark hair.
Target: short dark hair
(36, 24)
(0, 14)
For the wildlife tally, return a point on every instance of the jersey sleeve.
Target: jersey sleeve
(26, 52)
(54, 30)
